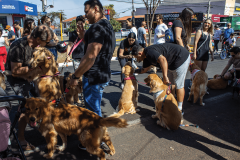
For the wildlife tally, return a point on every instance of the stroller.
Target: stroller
(7, 129)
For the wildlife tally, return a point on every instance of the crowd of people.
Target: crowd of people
(94, 49)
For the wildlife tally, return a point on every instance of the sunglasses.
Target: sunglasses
(207, 23)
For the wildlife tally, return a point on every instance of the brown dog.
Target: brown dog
(67, 120)
(199, 83)
(166, 110)
(2, 81)
(129, 97)
(217, 83)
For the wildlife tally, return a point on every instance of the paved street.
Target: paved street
(216, 138)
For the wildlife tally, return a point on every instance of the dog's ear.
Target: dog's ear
(48, 61)
(153, 87)
(132, 71)
(123, 69)
(147, 80)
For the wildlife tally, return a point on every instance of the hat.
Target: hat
(217, 26)
(170, 23)
(7, 27)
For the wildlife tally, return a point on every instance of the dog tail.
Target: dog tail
(113, 122)
(119, 114)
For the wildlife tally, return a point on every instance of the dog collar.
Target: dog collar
(155, 95)
(193, 73)
(130, 78)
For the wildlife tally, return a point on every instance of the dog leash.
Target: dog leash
(168, 91)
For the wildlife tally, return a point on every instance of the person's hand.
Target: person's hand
(80, 31)
(68, 58)
(212, 57)
(188, 48)
(194, 57)
(146, 44)
(165, 80)
(129, 56)
(74, 82)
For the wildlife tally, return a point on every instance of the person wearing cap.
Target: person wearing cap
(174, 61)
(75, 44)
(11, 34)
(169, 25)
(124, 52)
(159, 36)
(217, 35)
(142, 40)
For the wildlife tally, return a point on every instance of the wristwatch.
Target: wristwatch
(74, 77)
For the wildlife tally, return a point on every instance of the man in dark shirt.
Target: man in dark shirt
(172, 58)
(11, 34)
(18, 58)
(99, 46)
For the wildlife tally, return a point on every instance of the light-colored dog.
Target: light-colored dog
(129, 98)
(199, 84)
(166, 110)
(217, 83)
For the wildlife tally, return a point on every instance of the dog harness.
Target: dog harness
(193, 73)
(130, 78)
(155, 95)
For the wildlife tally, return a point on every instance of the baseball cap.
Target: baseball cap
(170, 23)
(7, 27)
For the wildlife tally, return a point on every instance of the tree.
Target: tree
(112, 11)
(151, 7)
(72, 26)
(116, 25)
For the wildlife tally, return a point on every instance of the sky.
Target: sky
(74, 8)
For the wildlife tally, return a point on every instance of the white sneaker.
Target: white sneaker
(135, 74)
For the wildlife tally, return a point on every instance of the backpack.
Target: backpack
(169, 35)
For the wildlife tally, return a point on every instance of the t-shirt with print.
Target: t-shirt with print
(178, 23)
(217, 34)
(231, 41)
(175, 55)
(134, 30)
(141, 32)
(228, 32)
(19, 52)
(160, 30)
(126, 47)
(10, 34)
(100, 32)
(78, 53)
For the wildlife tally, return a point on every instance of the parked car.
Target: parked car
(124, 32)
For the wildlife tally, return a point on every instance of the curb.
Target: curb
(71, 64)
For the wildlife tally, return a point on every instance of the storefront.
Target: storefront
(11, 11)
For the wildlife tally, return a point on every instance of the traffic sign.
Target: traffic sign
(43, 13)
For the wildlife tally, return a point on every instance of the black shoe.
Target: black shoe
(105, 147)
(80, 146)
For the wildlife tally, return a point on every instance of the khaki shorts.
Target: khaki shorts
(177, 77)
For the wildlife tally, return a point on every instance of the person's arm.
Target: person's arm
(17, 69)
(6, 41)
(70, 44)
(196, 39)
(13, 37)
(142, 70)
(164, 66)
(21, 32)
(88, 60)
(145, 38)
(55, 42)
(227, 67)
(210, 47)
(178, 33)
(121, 54)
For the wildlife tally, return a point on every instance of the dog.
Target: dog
(66, 120)
(129, 98)
(72, 95)
(2, 81)
(199, 83)
(217, 83)
(166, 108)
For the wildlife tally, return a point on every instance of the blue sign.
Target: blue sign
(43, 13)
(18, 7)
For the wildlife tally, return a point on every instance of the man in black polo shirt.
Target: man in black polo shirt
(172, 58)
(18, 58)
(99, 46)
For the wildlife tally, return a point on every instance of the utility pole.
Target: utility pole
(133, 12)
(44, 3)
(61, 28)
(209, 6)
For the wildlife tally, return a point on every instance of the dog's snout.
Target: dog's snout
(32, 119)
(29, 66)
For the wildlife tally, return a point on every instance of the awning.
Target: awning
(17, 7)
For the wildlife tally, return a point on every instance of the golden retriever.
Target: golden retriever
(199, 84)
(166, 111)
(217, 83)
(67, 120)
(129, 98)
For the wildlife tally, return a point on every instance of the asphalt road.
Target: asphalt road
(216, 138)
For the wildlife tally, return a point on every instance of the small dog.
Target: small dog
(66, 120)
(199, 83)
(219, 83)
(166, 110)
(129, 97)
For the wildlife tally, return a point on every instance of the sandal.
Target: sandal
(27, 146)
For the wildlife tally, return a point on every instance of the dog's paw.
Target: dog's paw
(203, 104)
(154, 116)
(48, 156)
(112, 152)
(61, 148)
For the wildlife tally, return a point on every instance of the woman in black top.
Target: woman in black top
(78, 52)
(202, 45)
(124, 51)
(182, 28)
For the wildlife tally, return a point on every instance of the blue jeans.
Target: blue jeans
(93, 95)
(54, 52)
